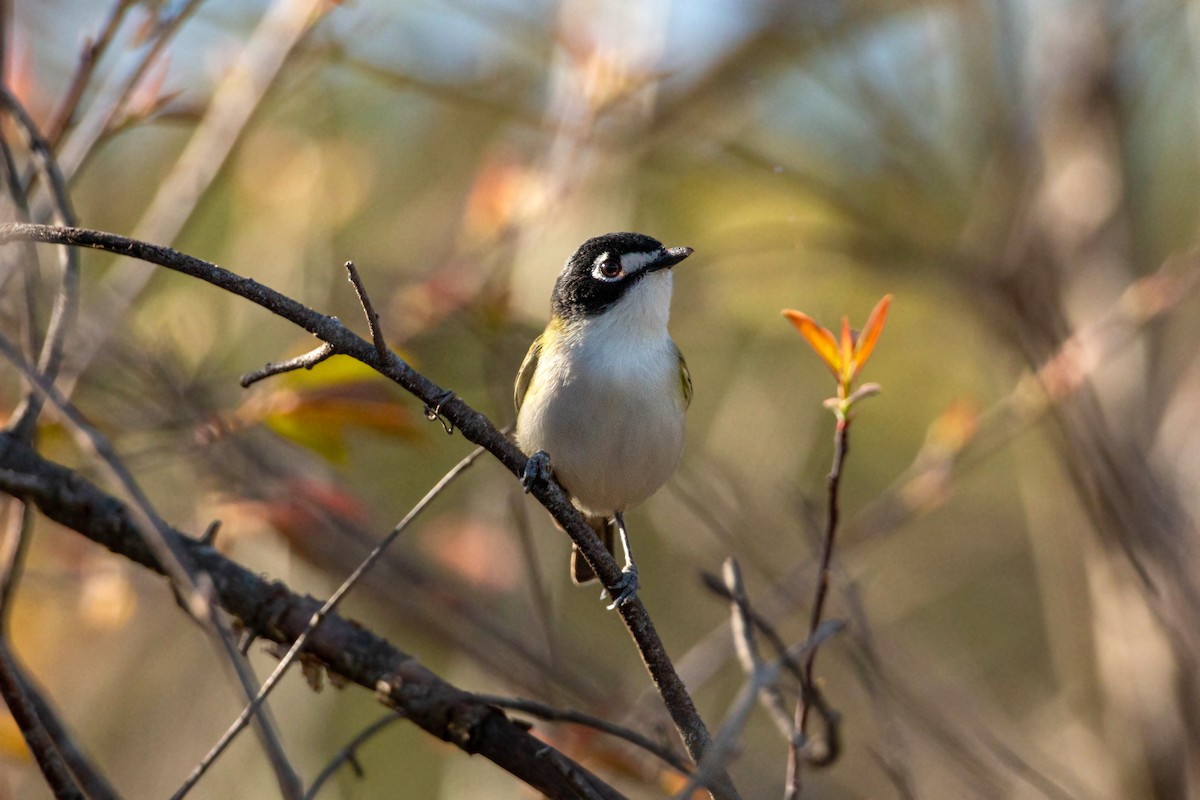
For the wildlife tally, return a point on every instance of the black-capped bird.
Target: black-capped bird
(602, 393)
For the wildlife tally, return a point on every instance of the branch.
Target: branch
(84, 772)
(739, 711)
(800, 747)
(349, 754)
(66, 301)
(93, 49)
(364, 300)
(742, 623)
(321, 614)
(306, 361)
(12, 557)
(58, 777)
(273, 612)
(552, 714)
(191, 589)
(474, 426)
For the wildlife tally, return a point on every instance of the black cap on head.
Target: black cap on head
(605, 267)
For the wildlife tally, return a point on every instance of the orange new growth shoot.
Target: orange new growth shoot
(844, 355)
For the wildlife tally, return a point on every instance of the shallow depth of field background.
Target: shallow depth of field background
(1005, 169)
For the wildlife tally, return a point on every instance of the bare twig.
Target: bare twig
(364, 299)
(747, 648)
(58, 777)
(82, 142)
(714, 760)
(552, 714)
(306, 361)
(892, 755)
(332, 603)
(239, 94)
(12, 558)
(271, 611)
(800, 749)
(830, 718)
(473, 425)
(89, 779)
(241, 91)
(349, 753)
(192, 592)
(93, 49)
(67, 299)
(539, 594)
(210, 533)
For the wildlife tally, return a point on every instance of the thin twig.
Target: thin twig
(330, 605)
(12, 559)
(192, 592)
(538, 591)
(282, 26)
(89, 779)
(349, 753)
(474, 426)
(892, 757)
(83, 143)
(552, 714)
(830, 718)
(26, 255)
(233, 103)
(273, 612)
(66, 300)
(747, 649)
(93, 49)
(722, 747)
(364, 299)
(801, 749)
(305, 361)
(58, 777)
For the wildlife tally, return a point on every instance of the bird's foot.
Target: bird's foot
(537, 470)
(626, 588)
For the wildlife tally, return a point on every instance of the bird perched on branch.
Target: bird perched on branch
(601, 394)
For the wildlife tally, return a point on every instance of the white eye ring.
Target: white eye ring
(602, 268)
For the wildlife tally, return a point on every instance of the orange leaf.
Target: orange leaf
(818, 338)
(871, 331)
(847, 348)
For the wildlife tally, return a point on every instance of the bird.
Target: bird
(602, 393)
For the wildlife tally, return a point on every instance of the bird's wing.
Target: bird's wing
(685, 377)
(525, 373)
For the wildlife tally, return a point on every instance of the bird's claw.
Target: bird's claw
(537, 470)
(626, 588)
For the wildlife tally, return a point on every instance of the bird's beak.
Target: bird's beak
(669, 258)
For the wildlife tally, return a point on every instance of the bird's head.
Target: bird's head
(606, 269)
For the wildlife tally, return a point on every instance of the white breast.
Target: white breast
(606, 403)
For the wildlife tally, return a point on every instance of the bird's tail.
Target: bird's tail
(580, 571)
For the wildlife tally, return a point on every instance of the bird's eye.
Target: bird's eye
(606, 268)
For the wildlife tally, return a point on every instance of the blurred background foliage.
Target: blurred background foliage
(1007, 169)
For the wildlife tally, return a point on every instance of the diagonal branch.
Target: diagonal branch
(83, 771)
(474, 426)
(257, 700)
(58, 777)
(273, 612)
(66, 301)
(552, 714)
(192, 588)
